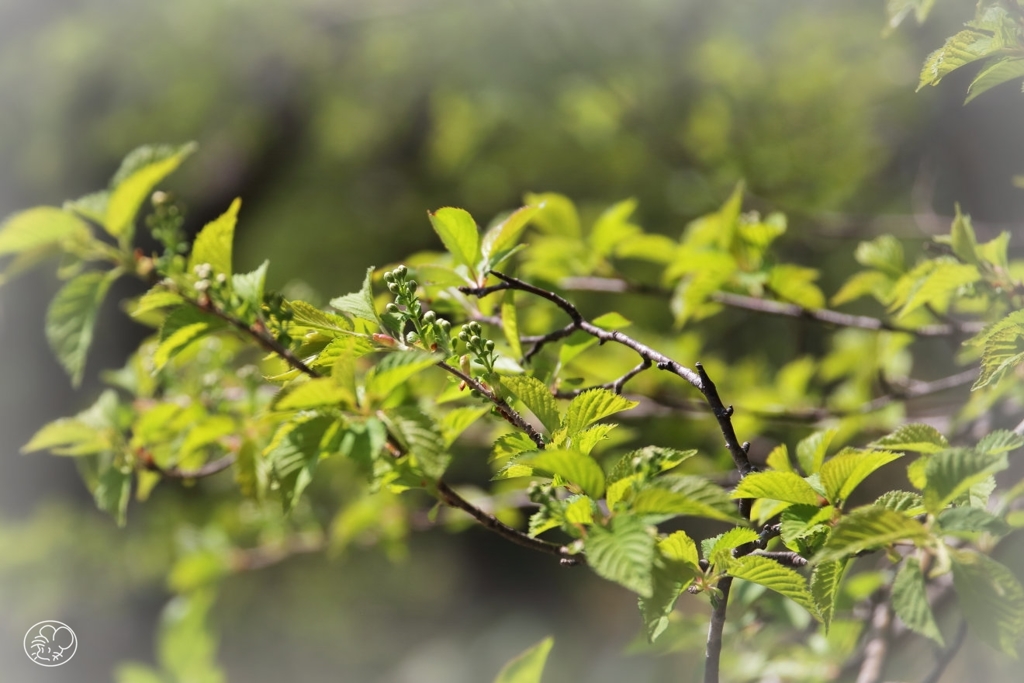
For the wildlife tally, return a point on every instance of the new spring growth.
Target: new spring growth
(432, 332)
(482, 350)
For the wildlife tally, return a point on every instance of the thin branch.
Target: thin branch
(260, 557)
(448, 495)
(789, 310)
(877, 648)
(504, 409)
(783, 557)
(713, 649)
(947, 655)
(207, 470)
(615, 385)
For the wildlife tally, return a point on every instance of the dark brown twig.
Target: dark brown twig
(504, 409)
(615, 385)
(713, 648)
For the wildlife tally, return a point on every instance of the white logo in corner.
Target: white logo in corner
(50, 643)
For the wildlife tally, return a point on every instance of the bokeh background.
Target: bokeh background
(340, 123)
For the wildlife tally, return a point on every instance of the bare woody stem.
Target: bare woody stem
(713, 649)
(615, 385)
(789, 310)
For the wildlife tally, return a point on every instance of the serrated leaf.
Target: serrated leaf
(913, 438)
(572, 466)
(772, 575)
(931, 284)
(512, 444)
(213, 244)
(784, 486)
(909, 503)
(796, 284)
(39, 227)
(294, 453)
(140, 172)
(690, 496)
(536, 396)
(910, 601)
(504, 236)
(1000, 441)
(971, 520)
(587, 440)
(991, 598)
(1002, 346)
(315, 393)
(962, 238)
(591, 406)
(720, 552)
(395, 369)
(803, 527)
(778, 459)
(459, 233)
(842, 474)
(869, 528)
(884, 253)
(307, 315)
(182, 327)
(458, 420)
(249, 287)
(811, 451)
(420, 435)
(68, 436)
(873, 282)
(623, 553)
(669, 578)
(825, 580)
(556, 213)
(959, 50)
(527, 667)
(681, 548)
(359, 304)
(156, 299)
(999, 70)
(951, 473)
(112, 493)
(510, 323)
(71, 319)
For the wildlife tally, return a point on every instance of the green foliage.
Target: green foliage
(910, 601)
(527, 667)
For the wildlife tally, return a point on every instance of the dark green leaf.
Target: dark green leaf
(623, 553)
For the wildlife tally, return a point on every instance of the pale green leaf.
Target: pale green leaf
(459, 233)
(998, 71)
(1000, 441)
(613, 228)
(778, 459)
(359, 304)
(68, 436)
(591, 406)
(395, 369)
(960, 49)
(690, 496)
(186, 648)
(720, 552)
(39, 227)
(680, 547)
(795, 284)
(182, 327)
(421, 436)
(456, 421)
(213, 244)
(843, 473)
(811, 451)
(71, 319)
(909, 503)
(572, 466)
(623, 553)
(869, 528)
(825, 580)
(772, 575)
(991, 598)
(914, 438)
(140, 172)
(556, 214)
(155, 299)
(294, 453)
(669, 578)
(113, 491)
(315, 393)
(884, 253)
(505, 235)
(527, 667)
(784, 486)
(951, 473)
(910, 601)
(510, 323)
(536, 396)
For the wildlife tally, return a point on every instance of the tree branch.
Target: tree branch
(878, 646)
(207, 470)
(713, 649)
(768, 306)
(615, 385)
(947, 655)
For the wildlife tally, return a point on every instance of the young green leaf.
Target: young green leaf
(689, 496)
(420, 435)
(315, 393)
(679, 547)
(991, 598)
(720, 552)
(669, 578)
(785, 486)
(69, 436)
(213, 244)
(772, 575)
(960, 49)
(503, 237)
(1000, 441)
(556, 214)
(908, 503)
(910, 601)
(395, 369)
(869, 528)
(825, 580)
(186, 648)
(623, 553)
(591, 406)
(459, 233)
(1002, 345)
(536, 396)
(811, 451)
(40, 227)
(778, 459)
(510, 323)
(951, 473)
(71, 319)
(913, 438)
(572, 466)
(183, 326)
(294, 453)
(971, 521)
(527, 667)
(458, 420)
(359, 304)
(250, 286)
(140, 172)
(844, 472)
(113, 491)
(613, 227)
(997, 71)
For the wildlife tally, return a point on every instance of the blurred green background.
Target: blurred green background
(340, 123)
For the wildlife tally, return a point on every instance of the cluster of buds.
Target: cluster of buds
(482, 350)
(165, 224)
(432, 332)
(279, 317)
